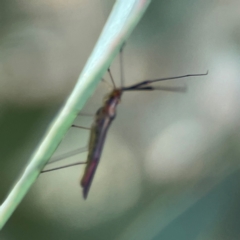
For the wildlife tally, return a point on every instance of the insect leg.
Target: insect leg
(65, 166)
(181, 89)
(144, 83)
(68, 154)
(86, 128)
(111, 77)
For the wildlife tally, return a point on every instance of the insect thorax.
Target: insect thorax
(111, 101)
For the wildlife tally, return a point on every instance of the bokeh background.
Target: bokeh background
(170, 166)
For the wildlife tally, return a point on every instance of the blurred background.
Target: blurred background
(169, 169)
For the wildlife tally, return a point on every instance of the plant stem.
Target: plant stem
(122, 20)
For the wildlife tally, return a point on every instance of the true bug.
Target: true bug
(103, 119)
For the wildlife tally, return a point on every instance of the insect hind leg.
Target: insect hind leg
(65, 166)
(85, 128)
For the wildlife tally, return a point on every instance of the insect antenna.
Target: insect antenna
(142, 85)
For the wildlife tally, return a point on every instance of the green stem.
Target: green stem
(124, 17)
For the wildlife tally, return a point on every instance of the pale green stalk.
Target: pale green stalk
(124, 17)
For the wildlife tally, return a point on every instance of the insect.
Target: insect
(103, 119)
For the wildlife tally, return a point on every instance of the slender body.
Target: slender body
(103, 119)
